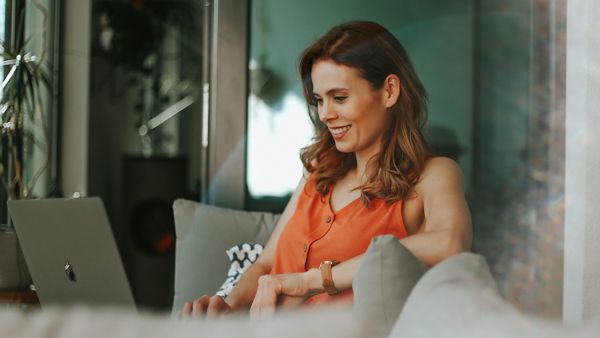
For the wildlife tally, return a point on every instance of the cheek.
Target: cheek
(370, 126)
(374, 121)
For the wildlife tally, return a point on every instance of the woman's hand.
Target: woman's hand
(206, 306)
(287, 290)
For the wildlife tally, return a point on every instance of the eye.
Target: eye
(340, 98)
(318, 101)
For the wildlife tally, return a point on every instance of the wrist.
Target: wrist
(232, 304)
(313, 281)
(326, 269)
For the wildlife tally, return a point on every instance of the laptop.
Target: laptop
(70, 251)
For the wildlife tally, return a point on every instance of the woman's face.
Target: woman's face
(355, 114)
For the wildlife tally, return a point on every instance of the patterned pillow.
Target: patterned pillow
(241, 257)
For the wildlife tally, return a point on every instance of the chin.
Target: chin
(344, 148)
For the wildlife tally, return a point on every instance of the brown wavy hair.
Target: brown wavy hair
(375, 53)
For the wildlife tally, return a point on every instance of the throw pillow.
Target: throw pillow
(241, 257)
(385, 278)
(459, 298)
(204, 232)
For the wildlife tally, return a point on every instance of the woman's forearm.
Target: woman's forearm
(243, 293)
(434, 246)
(343, 275)
(429, 247)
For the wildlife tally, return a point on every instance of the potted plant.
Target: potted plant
(24, 144)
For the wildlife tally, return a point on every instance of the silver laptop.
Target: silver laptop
(71, 252)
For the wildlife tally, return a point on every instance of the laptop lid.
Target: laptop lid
(71, 252)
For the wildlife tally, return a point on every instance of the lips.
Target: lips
(339, 132)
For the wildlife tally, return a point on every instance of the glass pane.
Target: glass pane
(145, 88)
(2, 32)
(145, 75)
(28, 32)
(41, 25)
(494, 72)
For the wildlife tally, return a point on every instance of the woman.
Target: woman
(367, 173)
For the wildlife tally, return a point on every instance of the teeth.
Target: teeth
(339, 131)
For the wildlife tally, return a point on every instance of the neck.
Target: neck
(362, 157)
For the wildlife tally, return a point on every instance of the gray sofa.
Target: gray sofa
(395, 295)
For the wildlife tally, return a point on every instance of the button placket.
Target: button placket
(317, 234)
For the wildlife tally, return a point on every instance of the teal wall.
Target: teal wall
(438, 36)
(503, 97)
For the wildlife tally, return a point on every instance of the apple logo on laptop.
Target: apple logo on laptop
(70, 272)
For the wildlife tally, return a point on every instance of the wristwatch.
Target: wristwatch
(327, 276)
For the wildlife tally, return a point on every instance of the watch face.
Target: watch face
(330, 262)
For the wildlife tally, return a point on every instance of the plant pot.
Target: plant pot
(14, 275)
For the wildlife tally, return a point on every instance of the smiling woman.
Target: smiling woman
(368, 173)
(362, 74)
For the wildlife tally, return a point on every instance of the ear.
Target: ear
(391, 90)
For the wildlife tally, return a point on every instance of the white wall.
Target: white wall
(582, 183)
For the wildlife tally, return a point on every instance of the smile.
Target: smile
(339, 132)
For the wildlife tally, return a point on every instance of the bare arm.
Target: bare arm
(243, 293)
(446, 232)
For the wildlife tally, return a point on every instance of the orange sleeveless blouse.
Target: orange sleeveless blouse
(316, 233)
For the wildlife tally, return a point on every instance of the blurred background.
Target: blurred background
(201, 99)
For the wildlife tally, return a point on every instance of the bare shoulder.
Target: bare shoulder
(441, 169)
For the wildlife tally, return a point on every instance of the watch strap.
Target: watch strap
(327, 276)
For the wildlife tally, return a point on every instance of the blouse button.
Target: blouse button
(328, 219)
(305, 247)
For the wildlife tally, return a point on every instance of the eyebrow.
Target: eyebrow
(330, 91)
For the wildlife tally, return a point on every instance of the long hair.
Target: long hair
(375, 53)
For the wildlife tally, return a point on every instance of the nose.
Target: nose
(326, 112)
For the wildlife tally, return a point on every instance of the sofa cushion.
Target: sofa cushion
(459, 298)
(116, 323)
(453, 285)
(204, 233)
(384, 280)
